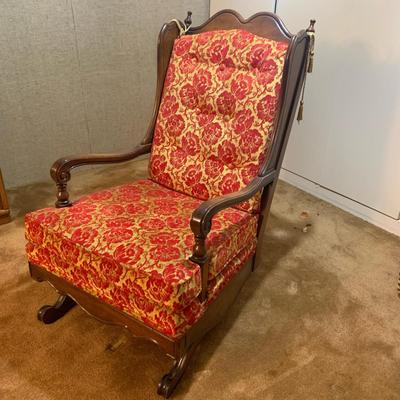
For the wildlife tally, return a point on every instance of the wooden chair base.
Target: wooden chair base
(49, 314)
(181, 349)
(171, 379)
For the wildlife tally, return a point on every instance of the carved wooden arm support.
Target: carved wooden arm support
(61, 169)
(200, 222)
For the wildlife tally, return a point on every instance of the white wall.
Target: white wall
(347, 148)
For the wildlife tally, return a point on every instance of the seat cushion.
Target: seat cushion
(129, 246)
(216, 117)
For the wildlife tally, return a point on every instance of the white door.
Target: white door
(349, 140)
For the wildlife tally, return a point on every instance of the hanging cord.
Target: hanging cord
(183, 26)
(310, 65)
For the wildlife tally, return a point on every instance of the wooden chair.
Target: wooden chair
(165, 257)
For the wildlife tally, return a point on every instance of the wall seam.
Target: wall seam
(83, 93)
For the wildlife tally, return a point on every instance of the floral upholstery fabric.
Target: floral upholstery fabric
(129, 246)
(216, 116)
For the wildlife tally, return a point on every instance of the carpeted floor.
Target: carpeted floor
(319, 320)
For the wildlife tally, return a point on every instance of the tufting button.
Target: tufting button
(227, 118)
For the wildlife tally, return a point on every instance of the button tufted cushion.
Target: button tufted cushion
(129, 246)
(217, 111)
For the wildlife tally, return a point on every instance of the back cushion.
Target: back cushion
(216, 116)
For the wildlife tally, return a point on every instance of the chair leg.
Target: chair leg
(170, 380)
(49, 314)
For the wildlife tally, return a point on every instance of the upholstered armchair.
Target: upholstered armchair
(165, 256)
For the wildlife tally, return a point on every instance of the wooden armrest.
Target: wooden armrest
(200, 222)
(60, 171)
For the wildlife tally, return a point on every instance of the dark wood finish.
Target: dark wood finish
(201, 218)
(171, 379)
(188, 20)
(61, 169)
(296, 62)
(50, 314)
(169, 32)
(263, 24)
(5, 215)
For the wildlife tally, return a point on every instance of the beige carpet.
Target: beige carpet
(319, 320)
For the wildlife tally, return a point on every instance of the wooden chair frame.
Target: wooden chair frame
(262, 24)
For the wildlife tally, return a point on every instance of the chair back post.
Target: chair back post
(166, 38)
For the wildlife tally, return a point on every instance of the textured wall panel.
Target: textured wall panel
(77, 76)
(41, 107)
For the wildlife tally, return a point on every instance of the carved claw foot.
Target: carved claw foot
(49, 314)
(171, 379)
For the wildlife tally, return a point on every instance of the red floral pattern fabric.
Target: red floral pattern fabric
(130, 245)
(217, 111)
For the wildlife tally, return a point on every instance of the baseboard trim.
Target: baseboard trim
(372, 216)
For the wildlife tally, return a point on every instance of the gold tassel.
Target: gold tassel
(301, 106)
(300, 111)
